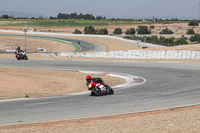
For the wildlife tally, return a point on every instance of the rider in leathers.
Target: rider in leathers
(98, 80)
(18, 51)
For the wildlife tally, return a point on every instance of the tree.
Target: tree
(190, 32)
(103, 31)
(5, 16)
(143, 30)
(77, 31)
(130, 31)
(166, 31)
(90, 30)
(193, 23)
(117, 31)
(99, 17)
(75, 16)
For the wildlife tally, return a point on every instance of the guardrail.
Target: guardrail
(137, 54)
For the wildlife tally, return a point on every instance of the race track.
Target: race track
(85, 46)
(168, 85)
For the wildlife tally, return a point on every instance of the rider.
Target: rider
(98, 80)
(18, 50)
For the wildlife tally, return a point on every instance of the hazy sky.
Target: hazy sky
(108, 8)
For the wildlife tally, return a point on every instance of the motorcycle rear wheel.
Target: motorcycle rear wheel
(97, 91)
(111, 91)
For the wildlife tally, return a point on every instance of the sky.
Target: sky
(107, 8)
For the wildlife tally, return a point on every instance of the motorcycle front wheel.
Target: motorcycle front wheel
(18, 58)
(25, 58)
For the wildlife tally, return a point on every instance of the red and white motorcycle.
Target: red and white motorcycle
(99, 89)
(21, 55)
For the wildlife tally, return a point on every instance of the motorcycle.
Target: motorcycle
(21, 55)
(100, 89)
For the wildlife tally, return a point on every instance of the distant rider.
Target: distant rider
(18, 50)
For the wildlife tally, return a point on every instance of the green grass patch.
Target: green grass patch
(192, 42)
(51, 23)
(26, 96)
(66, 23)
(77, 47)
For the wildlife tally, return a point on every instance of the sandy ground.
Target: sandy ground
(191, 47)
(20, 83)
(33, 44)
(184, 120)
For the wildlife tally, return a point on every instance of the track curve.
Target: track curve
(86, 46)
(168, 85)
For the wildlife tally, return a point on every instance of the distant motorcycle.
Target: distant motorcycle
(21, 55)
(99, 89)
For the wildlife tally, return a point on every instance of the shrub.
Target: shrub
(90, 30)
(152, 27)
(195, 38)
(190, 32)
(130, 31)
(77, 31)
(193, 23)
(166, 31)
(5, 16)
(26, 96)
(103, 31)
(143, 30)
(117, 31)
(161, 40)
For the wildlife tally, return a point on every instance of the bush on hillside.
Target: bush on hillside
(90, 30)
(117, 31)
(143, 30)
(130, 31)
(190, 32)
(161, 40)
(103, 31)
(152, 27)
(195, 38)
(193, 23)
(166, 31)
(77, 31)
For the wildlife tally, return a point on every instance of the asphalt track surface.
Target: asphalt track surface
(86, 46)
(168, 85)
